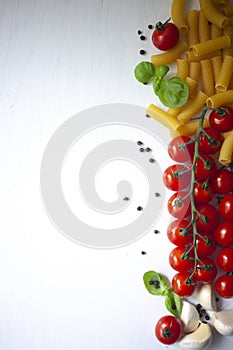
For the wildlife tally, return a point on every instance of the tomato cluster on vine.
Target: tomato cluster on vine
(202, 207)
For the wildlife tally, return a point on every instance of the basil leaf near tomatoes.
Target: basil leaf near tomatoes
(157, 284)
(172, 93)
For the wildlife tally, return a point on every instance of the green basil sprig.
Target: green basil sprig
(172, 93)
(157, 284)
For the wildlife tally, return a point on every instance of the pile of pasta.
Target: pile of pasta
(204, 59)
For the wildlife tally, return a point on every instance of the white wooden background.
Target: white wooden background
(58, 57)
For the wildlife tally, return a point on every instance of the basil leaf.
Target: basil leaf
(161, 71)
(172, 93)
(173, 303)
(144, 71)
(155, 283)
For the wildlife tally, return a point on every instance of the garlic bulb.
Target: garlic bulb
(223, 322)
(189, 317)
(206, 297)
(197, 340)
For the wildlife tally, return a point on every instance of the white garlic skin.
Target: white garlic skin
(223, 322)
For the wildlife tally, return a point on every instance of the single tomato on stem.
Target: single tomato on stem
(182, 285)
(179, 205)
(222, 118)
(179, 232)
(168, 329)
(181, 149)
(177, 177)
(165, 35)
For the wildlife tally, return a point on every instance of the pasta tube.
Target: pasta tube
(169, 56)
(192, 22)
(193, 107)
(216, 65)
(226, 152)
(220, 99)
(162, 117)
(178, 18)
(203, 27)
(194, 70)
(225, 74)
(207, 78)
(182, 68)
(212, 14)
(190, 128)
(211, 45)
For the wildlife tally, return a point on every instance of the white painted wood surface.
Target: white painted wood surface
(58, 57)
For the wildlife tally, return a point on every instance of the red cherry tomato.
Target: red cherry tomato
(207, 218)
(180, 285)
(213, 145)
(178, 233)
(225, 259)
(222, 181)
(179, 206)
(206, 272)
(179, 260)
(223, 233)
(168, 329)
(165, 36)
(177, 177)
(222, 119)
(224, 286)
(179, 150)
(205, 245)
(225, 207)
(203, 192)
(205, 170)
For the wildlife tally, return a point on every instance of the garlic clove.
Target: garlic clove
(223, 322)
(189, 317)
(206, 297)
(197, 340)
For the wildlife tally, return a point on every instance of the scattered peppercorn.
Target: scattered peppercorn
(141, 149)
(148, 149)
(207, 318)
(147, 116)
(142, 37)
(151, 160)
(157, 194)
(150, 26)
(173, 307)
(139, 32)
(139, 208)
(143, 252)
(139, 143)
(126, 199)
(142, 52)
(156, 231)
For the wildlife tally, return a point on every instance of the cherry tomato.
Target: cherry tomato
(205, 170)
(180, 285)
(222, 119)
(222, 181)
(206, 272)
(226, 207)
(165, 35)
(224, 286)
(212, 146)
(179, 260)
(203, 192)
(178, 233)
(168, 329)
(207, 218)
(179, 206)
(177, 177)
(225, 259)
(223, 233)
(205, 246)
(179, 150)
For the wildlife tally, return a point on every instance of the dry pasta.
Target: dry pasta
(173, 112)
(222, 2)
(225, 74)
(162, 117)
(190, 128)
(229, 50)
(212, 14)
(228, 10)
(203, 27)
(194, 70)
(192, 84)
(192, 22)
(216, 65)
(178, 18)
(193, 107)
(207, 77)
(169, 56)
(215, 31)
(226, 152)
(211, 45)
(220, 99)
(182, 66)
(192, 58)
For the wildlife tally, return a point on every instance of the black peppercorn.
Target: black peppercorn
(142, 37)
(142, 52)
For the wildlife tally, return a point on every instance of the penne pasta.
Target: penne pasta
(192, 84)
(219, 99)
(207, 77)
(226, 152)
(211, 45)
(182, 67)
(216, 66)
(211, 13)
(215, 31)
(177, 12)
(229, 50)
(225, 74)
(228, 10)
(194, 70)
(203, 27)
(192, 108)
(174, 111)
(162, 117)
(193, 58)
(190, 128)
(169, 56)
(192, 22)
